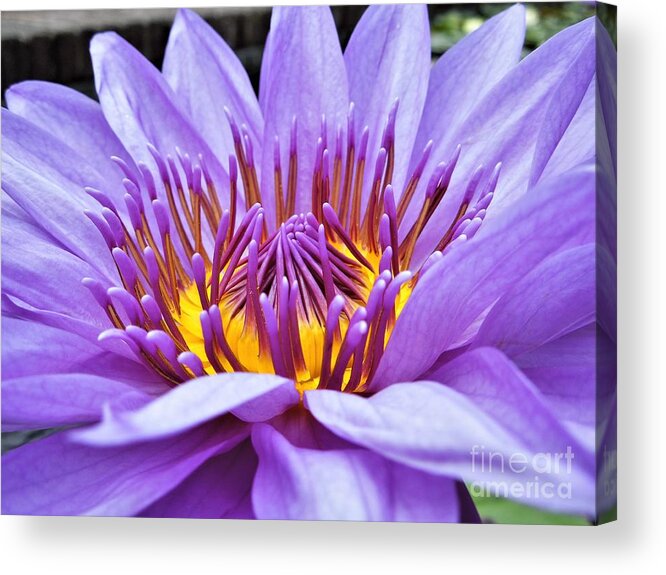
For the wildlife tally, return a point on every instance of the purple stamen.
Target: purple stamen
(159, 162)
(128, 302)
(152, 309)
(162, 217)
(115, 225)
(283, 316)
(124, 166)
(351, 131)
(273, 335)
(103, 227)
(126, 267)
(218, 331)
(209, 341)
(148, 180)
(192, 362)
(363, 146)
(166, 345)
(119, 334)
(327, 276)
(133, 211)
(100, 197)
(324, 131)
(199, 271)
(389, 130)
(353, 338)
(386, 261)
(390, 209)
(436, 179)
(332, 219)
(97, 290)
(332, 328)
(133, 190)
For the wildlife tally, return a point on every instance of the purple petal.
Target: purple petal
(352, 484)
(140, 106)
(566, 370)
(606, 287)
(557, 297)
(216, 490)
(560, 112)
(39, 271)
(46, 177)
(302, 430)
(50, 375)
(466, 72)
(54, 476)
(76, 120)
(388, 58)
(606, 144)
(54, 400)
(304, 76)
(576, 146)
(470, 278)
(505, 125)
(485, 405)
(15, 307)
(577, 374)
(30, 348)
(250, 396)
(206, 75)
(607, 86)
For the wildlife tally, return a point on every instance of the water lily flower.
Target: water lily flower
(312, 304)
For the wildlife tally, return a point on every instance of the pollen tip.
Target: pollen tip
(235, 132)
(436, 179)
(100, 197)
(108, 334)
(380, 164)
(97, 290)
(162, 217)
(473, 183)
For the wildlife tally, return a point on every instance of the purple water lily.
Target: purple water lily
(317, 304)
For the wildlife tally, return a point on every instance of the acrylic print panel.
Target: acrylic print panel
(311, 263)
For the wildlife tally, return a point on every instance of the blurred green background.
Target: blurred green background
(543, 21)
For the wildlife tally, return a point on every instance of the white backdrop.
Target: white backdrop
(634, 544)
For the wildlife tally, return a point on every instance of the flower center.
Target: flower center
(287, 307)
(312, 296)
